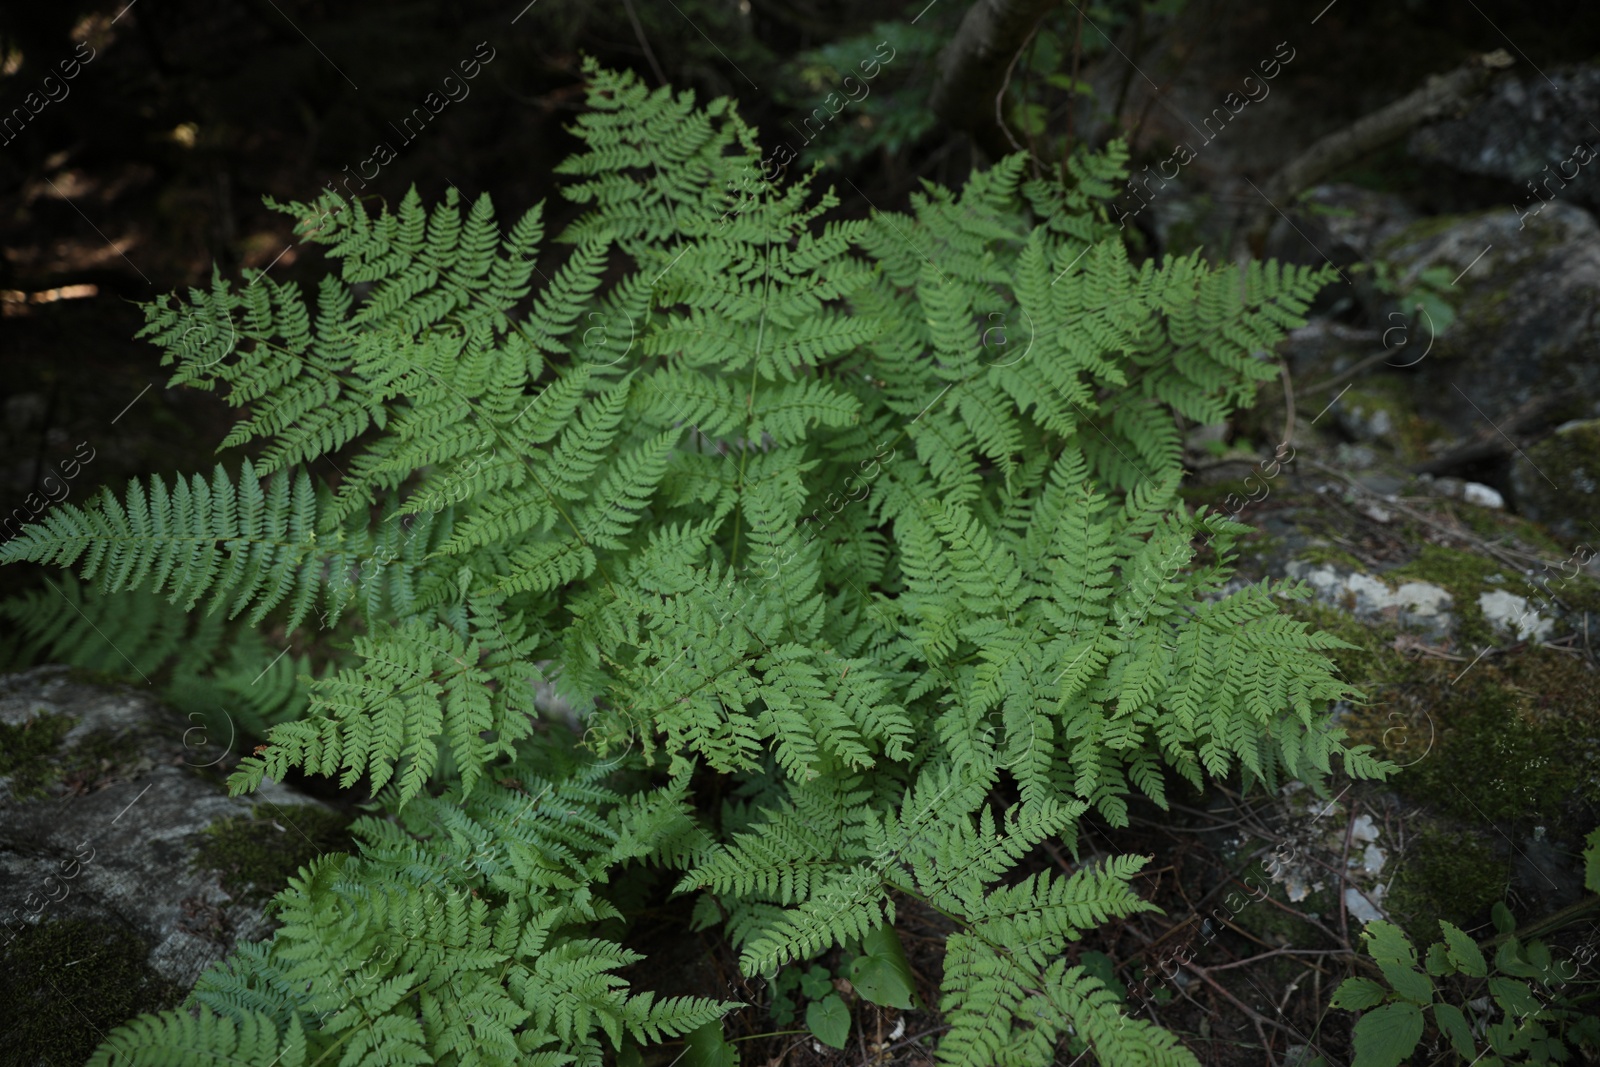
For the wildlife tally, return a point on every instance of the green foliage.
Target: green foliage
(812, 983)
(879, 110)
(876, 518)
(1591, 861)
(829, 1020)
(224, 675)
(1521, 1007)
(1042, 86)
(1424, 299)
(881, 973)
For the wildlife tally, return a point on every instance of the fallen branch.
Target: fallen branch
(1442, 94)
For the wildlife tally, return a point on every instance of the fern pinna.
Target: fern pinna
(876, 518)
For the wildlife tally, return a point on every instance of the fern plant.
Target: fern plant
(226, 677)
(875, 520)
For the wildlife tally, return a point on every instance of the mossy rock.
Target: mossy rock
(1450, 875)
(1557, 482)
(1382, 409)
(33, 756)
(28, 753)
(1422, 230)
(67, 983)
(1466, 576)
(1523, 334)
(257, 853)
(1515, 742)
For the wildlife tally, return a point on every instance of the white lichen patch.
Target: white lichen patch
(1361, 908)
(1510, 614)
(1420, 604)
(1326, 833)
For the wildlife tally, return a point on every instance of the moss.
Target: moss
(1484, 314)
(1578, 594)
(1446, 875)
(27, 753)
(98, 678)
(1502, 739)
(1520, 742)
(1567, 490)
(33, 756)
(257, 853)
(67, 983)
(1421, 230)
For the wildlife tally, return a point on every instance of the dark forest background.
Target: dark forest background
(150, 170)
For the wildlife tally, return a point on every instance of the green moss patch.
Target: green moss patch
(1445, 875)
(67, 983)
(28, 753)
(257, 853)
(1512, 737)
(1517, 741)
(32, 755)
(1564, 487)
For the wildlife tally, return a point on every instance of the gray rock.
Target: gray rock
(1343, 222)
(1523, 130)
(115, 839)
(1384, 484)
(1527, 332)
(1357, 457)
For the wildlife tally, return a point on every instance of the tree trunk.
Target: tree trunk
(972, 69)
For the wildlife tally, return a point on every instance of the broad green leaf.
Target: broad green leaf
(1508, 1038)
(816, 983)
(1385, 941)
(1454, 1026)
(1438, 960)
(1407, 981)
(1514, 997)
(1508, 960)
(829, 1020)
(881, 973)
(1503, 921)
(1385, 1036)
(706, 1047)
(1358, 994)
(1464, 951)
(1538, 954)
